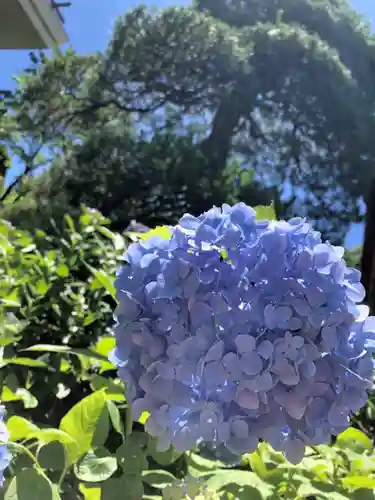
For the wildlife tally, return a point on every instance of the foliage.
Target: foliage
(128, 179)
(353, 256)
(286, 87)
(70, 427)
(60, 288)
(38, 202)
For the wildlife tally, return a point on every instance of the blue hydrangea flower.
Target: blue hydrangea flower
(4, 453)
(237, 330)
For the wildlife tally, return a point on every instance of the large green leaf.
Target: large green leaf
(257, 465)
(158, 478)
(131, 454)
(94, 469)
(82, 420)
(354, 439)
(52, 456)
(355, 482)
(20, 428)
(102, 428)
(30, 484)
(49, 435)
(198, 465)
(162, 457)
(32, 363)
(114, 389)
(307, 490)
(90, 493)
(223, 479)
(115, 417)
(61, 349)
(128, 486)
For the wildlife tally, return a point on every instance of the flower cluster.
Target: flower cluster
(4, 453)
(236, 330)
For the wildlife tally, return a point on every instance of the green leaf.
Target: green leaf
(102, 280)
(354, 439)
(20, 428)
(361, 494)
(29, 483)
(307, 490)
(70, 223)
(334, 495)
(144, 417)
(82, 420)
(361, 463)
(118, 240)
(131, 455)
(221, 479)
(102, 428)
(105, 345)
(94, 469)
(162, 457)
(246, 177)
(198, 465)
(47, 436)
(163, 232)
(29, 401)
(62, 349)
(355, 482)
(243, 492)
(115, 417)
(52, 456)
(42, 287)
(257, 465)
(158, 478)
(114, 391)
(90, 493)
(62, 270)
(265, 213)
(90, 318)
(116, 488)
(32, 363)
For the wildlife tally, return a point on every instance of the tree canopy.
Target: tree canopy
(283, 87)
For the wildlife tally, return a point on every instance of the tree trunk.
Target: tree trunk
(368, 252)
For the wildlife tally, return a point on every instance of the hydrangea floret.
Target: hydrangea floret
(237, 330)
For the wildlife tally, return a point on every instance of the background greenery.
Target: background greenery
(254, 100)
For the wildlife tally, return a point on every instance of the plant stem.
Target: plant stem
(129, 421)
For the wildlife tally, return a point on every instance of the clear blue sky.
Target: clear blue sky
(89, 24)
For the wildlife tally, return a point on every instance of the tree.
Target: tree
(151, 177)
(285, 85)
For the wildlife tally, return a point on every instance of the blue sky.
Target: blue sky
(89, 24)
